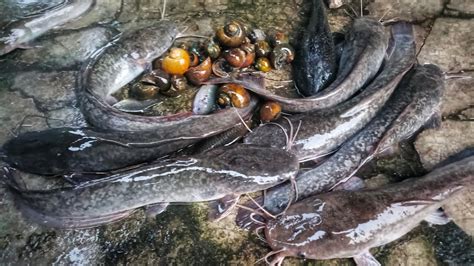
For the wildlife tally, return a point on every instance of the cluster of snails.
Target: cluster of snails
(235, 47)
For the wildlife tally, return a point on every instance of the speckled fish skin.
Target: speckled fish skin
(363, 54)
(321, 132)
(345, 224)
(210, 176)
(360, 148)
(418, 113)
(72, 150)
(20, 33)
(223, 139)
(315, 63)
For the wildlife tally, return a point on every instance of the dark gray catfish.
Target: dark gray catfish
(62, 151)
(364, 51)
(315, 65)
(359, 149)
(20, 33)
(321, 132)
(346, 224)
(210, 176)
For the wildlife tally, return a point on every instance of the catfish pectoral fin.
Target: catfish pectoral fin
(366, 259)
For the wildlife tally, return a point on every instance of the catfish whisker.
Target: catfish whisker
(268, 214)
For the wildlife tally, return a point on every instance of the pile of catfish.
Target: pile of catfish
(363, 95)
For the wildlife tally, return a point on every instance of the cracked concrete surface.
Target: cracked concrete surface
(39, 85)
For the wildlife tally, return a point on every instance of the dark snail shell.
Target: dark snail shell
(213, 50)
(141, 91)
(270, 111)
(157, 77)
(221, 68)
(263, 64)
(178, 85)
(200, 73)
(262, 49)
(233, 95)
(231, 35)
(281, 55)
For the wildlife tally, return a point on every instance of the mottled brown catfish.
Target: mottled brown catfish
(346, 224)
(226, 171)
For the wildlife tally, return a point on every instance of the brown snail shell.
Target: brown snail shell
(194, 60)
(270, 111)
(232, 94)
(231, 35)
(142, 91)
(262, 48)
(235, 57)
(221, 68)
(157, 77)
(281, 55)
(178, 85)
(249, 50)
(200, 73)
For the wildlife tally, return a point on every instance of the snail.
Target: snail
(231, 35)
(282, 54)
(200, 73)
(270, 111)
(141, 91)
(240, 57)
(232, 94)
(176, 62)
(199, 50)
(263, 64)
(262, 48)
(178, 84)
(235, 57)
(193, 59)
(249, 50)
(213, 50)
(221, 68)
